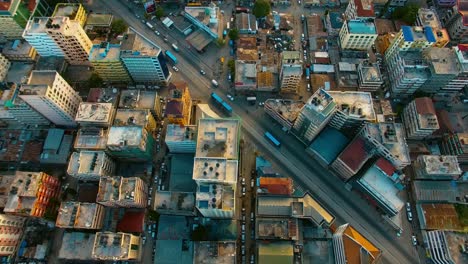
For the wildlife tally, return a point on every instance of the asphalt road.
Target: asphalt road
(290, 158)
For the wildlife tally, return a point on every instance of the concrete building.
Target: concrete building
(50, 95)
(455, 22)
(369, 77)
(60, 37)
(455, 144)
(78, 215)
(181, 139)
(179, 104)
(411, 39)
(117, 191)
(351, 247)
(95, 114)
(461, 60)
(19, 50)
(433, 167)
(360, 9)
(90, 165)
(352, 159)
(437, 246)
(322, 150)
(144, 60)
(428, 18)
(353, 110)
(11, 231)
(105, 58)
(91, 139)
(420, 119)
(285, 112)
(215, 252)
(246, 76)
(76, 246)
(141, 100)
(389, 141)
(218, 138)
(96, 22)
(14, 15)
(290, 71)
(246, 23)
(18, 110)
(314, 116)
(30, 193)
(357, 35)
(116, 246)
(4, 67)
(76, 12)
(57, 146)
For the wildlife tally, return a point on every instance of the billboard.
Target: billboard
(150, 7)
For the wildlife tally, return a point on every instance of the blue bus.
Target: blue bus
(221, 104)
(227, 108)
(171, 57)
(272, 139)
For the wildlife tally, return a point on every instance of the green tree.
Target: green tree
(220, 42)
(159, 12)
(153, 215)
(233, 34)
(261, 8)
(95, 81)
(118, 26)
(200, 233)
(406, 13)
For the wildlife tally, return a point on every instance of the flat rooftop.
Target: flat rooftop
(138, 99)
(125, 136)
(91, 138)
(371, 73)
(435, 191)
(427, 116)
(435, 164)
(355, 104)
(86, 162)
(288, 109)
(276, 228)
(65, 9)
(361, 27)
(39, 25)
(321, 144)
(76, 246)
(291, 57)
(104, 52)
(218, 138)
(215, 170)
(27, 186)
(17, 48)
(199, 39)
(246, 73)
(94, 19)
(428, 17)
(174, 201)
(215, 197)
(112, 245)
(76, 214)
(412, 34)
(178, 133)
(276, 252)
(96, 113)
(215, 252)
(131, 117)
(103, 95)
(321, 102)
(42, 78)
(209, 16)
(437, 216)
(392, 136)
(355, 154)
(136, 45)
(442, 60)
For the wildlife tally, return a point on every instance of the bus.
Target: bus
(174, 46)
(272, 139)
(148, 24)
(171, 57)
(221, 104)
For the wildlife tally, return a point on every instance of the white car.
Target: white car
(157, 33)
(261, 103)
(202, 72)
(410, 216)
(175, 68)
(414, 240)
(230, 97)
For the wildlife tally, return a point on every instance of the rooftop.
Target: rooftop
(434, 191)
(131, 117)
(174, 201)
(108, 246)
(136, 45)
(215, 196)
(65, 9)
(357, 248)
(277, 228)
(288, 109)
(215, 170)
(76, 246)
(336, 20)
(442, 60)
(315, 25)
(40, 25)
(355, 104)
(5, 184)
(412, 34)
(355, 154)
(246, 22)
(104, 52)
(215, 252)
(86, 162)
(321, 102)
(103, 95)
(94, 19)
(218, 138)
(138, 99)
(125, 136)
(247, 54)
(95, 113)
(16, 47)
(365, 8)
(277, 252)
(392, 137)
(91, 138)
(435, 165)
(291, 57)
(117, 188)
(437, 216)
(361, 27)
(180, 133)
(370, 73)
(427, 114)
(329, 144)
(246, 73)
(76, 214)
(428, 17)
(11, 144)
(206, 15)
(275, 185)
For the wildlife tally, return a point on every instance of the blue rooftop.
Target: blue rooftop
(361, 27)
(407, 33)
(336, 20)
(329, 144)
(429, 34)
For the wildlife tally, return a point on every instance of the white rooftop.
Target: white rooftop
(86, 162)
(355, 104)
(96, 113)
(435, 164)
(125, 136)
(391, 135)
(218, 138)
(215, 170)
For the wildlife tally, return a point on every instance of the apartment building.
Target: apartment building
(118, 191)
(11, 231)
(358, 34)
(4, 67)
(30, 193)
(50, 95)
(437, 167)
(181, 139)
(283, 111)
(428, 18)
(110, 246)
(369, 77)
(19, 50)
(437, 247)
(76, 12)
(411, 39)
(420, 119)
(178, 104)
(455, 144)
(60, 37)
(14, 15)
(360, 9)
(90, 165)
(352, 158)
(290, 71)
(95, 114)
(78, 215)
(454, 21)
(20, 111)
(105, 58)
(313, 117)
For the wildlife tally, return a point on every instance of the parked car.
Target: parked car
(243, 191)
(261, 103)
(175, 68)
(157, 33)
(408, 207)
(230, 97)
(414, 240)
(202, 72)
(410, 216)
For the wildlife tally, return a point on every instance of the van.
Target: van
(215, 83)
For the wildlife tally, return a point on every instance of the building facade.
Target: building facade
(110, 246)
(420, 119)
(11, 231)
(181, 139)
(357, 35)
(4, 67)
(105, 58)
(435, 167)
(19, 50)
(290, 71)
(76, 12)
(179, 104)
(369, 77)
(14, 16)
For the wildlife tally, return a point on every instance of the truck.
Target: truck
(149, 25)
(174, 46)
(251, 99)
(171, 57)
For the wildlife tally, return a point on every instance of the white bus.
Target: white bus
(149, 25)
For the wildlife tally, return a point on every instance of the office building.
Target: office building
(353, 109)
(144, 60)
(461, 60)
(60, 37)
(218, 138)
(142, 100)
(17, 109)
(313, 117)
(178, 104)
(437, 247)
(290, 71)
(369, 77)
(357, 35)
(181, 139)
(351, 247)
(105, 58)
(11, 231)
(420, 119)
(19, 50)
(284, 111)
(321, 149)
(76, 12)
(360, 9)
(14, 15)
(30, 193)
(50, 95)
(455, 144)
(78, 215)
(4, 67)
(110, 246)
(118, 191)
(90, 165)
(434, 167)
(56, 148)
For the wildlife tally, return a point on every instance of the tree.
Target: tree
(159, 12)
(220, 42)
(233, 34)
(153, 215)
(95, 81)
(406, 13)
(261, 8)
(118, 26)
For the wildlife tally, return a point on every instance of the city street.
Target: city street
(290, 159)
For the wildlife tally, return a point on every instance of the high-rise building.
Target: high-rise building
(30, 193)
(369, 77)
(455, 144)
(105, 58)
(455, 22)
(14, 15)
(80, 215)
(11, 231)
(16, 109)
(178, 104)
(118, 191)
(313, 117)
(144, 60)
(437, 247)
(360, 9)
(428, 17)
(290, 71)
(411, 39)
(76, 12)
(357, 34)
(95, 114)
(181, 139)
(353, 158)
(59, 36)
(434, 167)
(50, 95)
(116, 246)
(19, 50)
(90, 165)
(4, 67)
(420, 119)
(284, 111)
